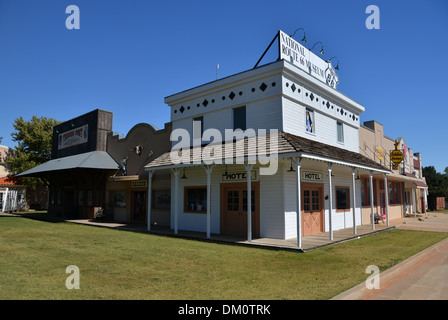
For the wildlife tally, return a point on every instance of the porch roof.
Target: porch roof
(288, 145)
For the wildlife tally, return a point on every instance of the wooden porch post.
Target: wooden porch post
(148, 227)
(176, 200)
(386, 197)
(354, 200)
(330, 207)
(372, 200)
(249, 202)
(208, 170)
(298, 203)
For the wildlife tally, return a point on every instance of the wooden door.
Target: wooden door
(234, 209)
(312, 209)
(139, 206)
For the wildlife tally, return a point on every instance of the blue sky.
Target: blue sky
(128, 55)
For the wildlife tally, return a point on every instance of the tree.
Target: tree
(437, 184)
(34, 139)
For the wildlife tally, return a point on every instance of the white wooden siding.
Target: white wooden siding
(325, 126)
(197, 221)
(271, 205)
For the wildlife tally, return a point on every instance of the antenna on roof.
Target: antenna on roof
(217, 68)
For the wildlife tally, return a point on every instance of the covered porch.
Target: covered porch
(289, 149)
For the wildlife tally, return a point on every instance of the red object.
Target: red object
(9, 181)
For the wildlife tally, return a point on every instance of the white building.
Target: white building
(310, 177)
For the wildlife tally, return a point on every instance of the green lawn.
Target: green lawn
(125, 265)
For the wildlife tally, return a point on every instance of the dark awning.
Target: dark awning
(88, 160)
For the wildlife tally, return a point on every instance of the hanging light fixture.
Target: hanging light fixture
(291, 169)
(321, 50)
(304, 34)
(184, 176)
(337, 65)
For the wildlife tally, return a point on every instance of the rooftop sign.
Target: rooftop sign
(303, 58)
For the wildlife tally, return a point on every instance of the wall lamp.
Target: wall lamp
(291, 169)
(184, 176)
(337, 65)
(321, 50)
(304, 34)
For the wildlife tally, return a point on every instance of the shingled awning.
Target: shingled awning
(288, 145)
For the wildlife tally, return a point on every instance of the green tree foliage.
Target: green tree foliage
(437, 184)
(34, 139)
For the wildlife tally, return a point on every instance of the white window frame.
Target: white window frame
(313, 121)
(342, 131)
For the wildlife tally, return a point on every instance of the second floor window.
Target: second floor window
(198, 127)
(309, 118)
(239, 118)
(340, 130)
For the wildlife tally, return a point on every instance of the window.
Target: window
(309, 121)
(161, 199)
(198, 127)
(394, 193)
(239, 118)
(342, 198)
(340, 130)
(195, 199)
(118, 199)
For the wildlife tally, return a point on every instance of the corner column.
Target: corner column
(330, 207)
(298, 203)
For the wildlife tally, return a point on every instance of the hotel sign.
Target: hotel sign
(312, 176)
(234, 176)
(303, 58)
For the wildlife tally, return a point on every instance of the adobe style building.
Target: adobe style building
(126, 189)
(93, 170)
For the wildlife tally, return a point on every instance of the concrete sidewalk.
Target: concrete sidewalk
(423, 276)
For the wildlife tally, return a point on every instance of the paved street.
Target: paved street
(423, 276)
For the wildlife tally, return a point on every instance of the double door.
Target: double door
(312, 209)
(234, 209)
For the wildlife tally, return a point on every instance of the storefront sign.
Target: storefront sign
(396, 156)
(380, 153)
(303, 58)
(140, 184)
(234, 176)
(312, 176)
(73, 137)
